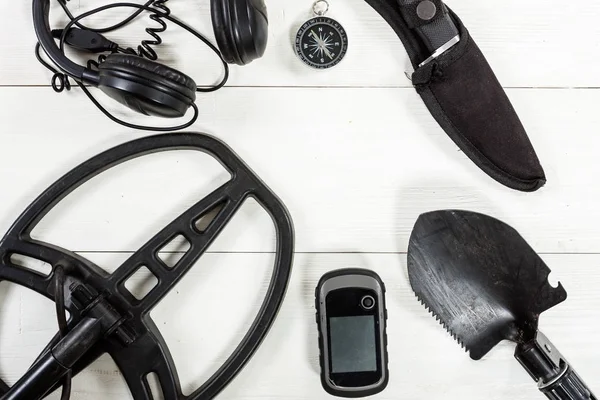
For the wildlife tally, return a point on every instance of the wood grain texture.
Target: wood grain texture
(425, 362)
(355, 177)
(355, 156)
(538, 43)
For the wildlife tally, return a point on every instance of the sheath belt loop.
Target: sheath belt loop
(422, 12)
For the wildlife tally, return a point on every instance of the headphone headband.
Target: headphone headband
(41, 23)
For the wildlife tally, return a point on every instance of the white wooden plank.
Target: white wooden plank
(355, 176)
(534, 43)
(425, 362)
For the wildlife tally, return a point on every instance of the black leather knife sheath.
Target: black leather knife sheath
(463, 94)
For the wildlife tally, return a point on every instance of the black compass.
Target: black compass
(321, 42)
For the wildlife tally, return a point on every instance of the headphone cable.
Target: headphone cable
(60, 81)
(139, 127)
(118, 25)
(168, 17)
(145, 49)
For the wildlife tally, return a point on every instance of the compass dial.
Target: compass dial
(321, 42)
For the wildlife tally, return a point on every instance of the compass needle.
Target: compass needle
(322, 41)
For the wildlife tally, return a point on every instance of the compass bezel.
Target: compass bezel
(316, 22)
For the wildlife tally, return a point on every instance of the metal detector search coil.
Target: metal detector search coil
(105, 316)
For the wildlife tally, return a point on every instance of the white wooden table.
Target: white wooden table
(355, 156)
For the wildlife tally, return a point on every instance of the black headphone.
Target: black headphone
(151, 88)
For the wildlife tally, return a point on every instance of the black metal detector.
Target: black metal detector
(105, 316)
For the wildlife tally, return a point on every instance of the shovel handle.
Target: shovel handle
(569, 387)
(555, 377)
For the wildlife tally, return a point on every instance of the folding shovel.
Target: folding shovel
(485, 284)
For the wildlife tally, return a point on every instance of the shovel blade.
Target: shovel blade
(479, 278)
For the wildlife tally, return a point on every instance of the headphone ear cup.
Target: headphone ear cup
(146, 86)
(221, 20)
(241, 28)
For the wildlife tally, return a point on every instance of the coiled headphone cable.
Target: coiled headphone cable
(145, 49)
(82, 37)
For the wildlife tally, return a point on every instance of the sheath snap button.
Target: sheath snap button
(426, 10)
